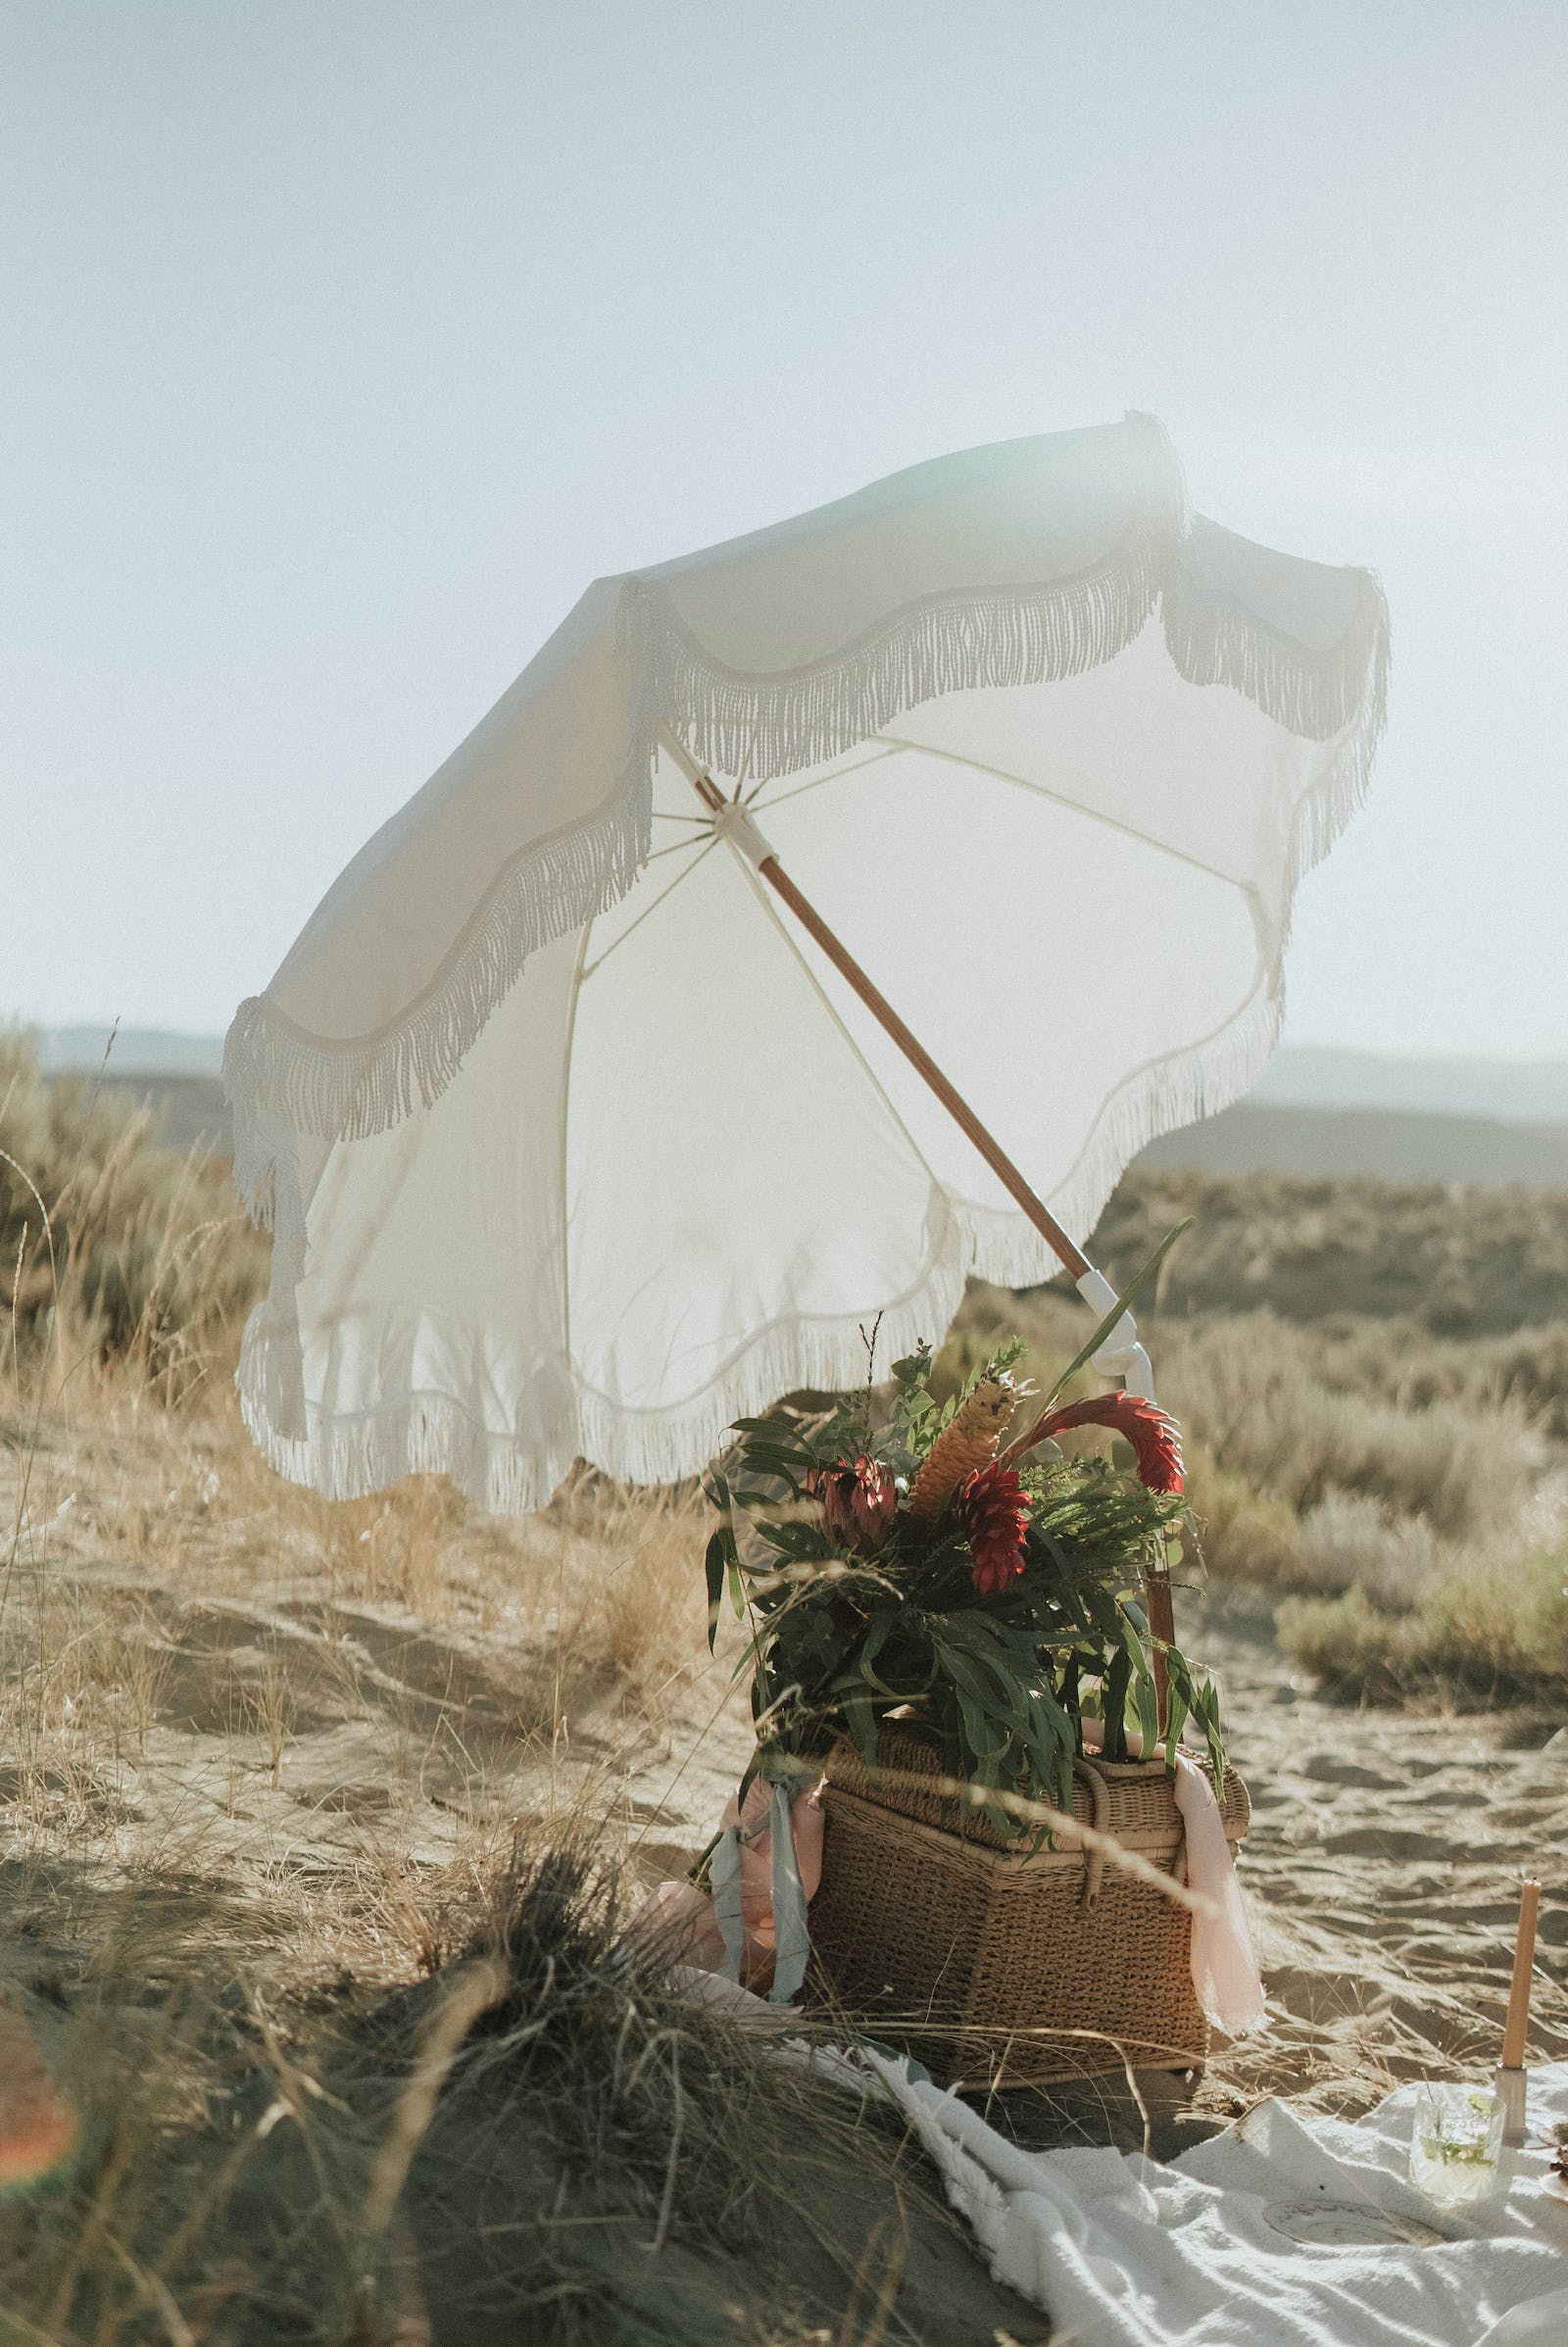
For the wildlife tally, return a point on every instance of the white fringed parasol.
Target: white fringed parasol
(580, 1122)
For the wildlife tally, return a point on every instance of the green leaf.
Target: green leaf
(1115, 1703)
(976, 1688)
(717, 1562)
(861, 1720)
(875, 1639)
(1175, 1721)
(1147, 1698)
(1201, 1700)
(980, 1734)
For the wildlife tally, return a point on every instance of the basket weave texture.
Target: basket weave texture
(988, 1959)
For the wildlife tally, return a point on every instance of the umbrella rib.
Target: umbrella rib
(675, 847)
(1018, 782)
(837, 1016)
(1038, 790)
(838, 774)
(1001, 1165)
(759, 856)
(667, 891)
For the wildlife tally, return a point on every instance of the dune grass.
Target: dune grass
(1484, 1628)
(533, 2134)
(109, 1247)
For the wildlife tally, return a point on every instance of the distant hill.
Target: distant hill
(1523, 1092)
(1465, 1263)
(188, 1111)
(137, 1050)
(1392, 1145)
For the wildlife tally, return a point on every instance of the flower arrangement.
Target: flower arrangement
(987, 1593)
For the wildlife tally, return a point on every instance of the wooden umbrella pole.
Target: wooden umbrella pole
(1156, 1585)
(919, 1058)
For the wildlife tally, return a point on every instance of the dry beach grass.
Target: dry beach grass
(293, 1789)
(316, 1809)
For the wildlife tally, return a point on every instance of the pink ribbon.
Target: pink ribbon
(1225, 1970)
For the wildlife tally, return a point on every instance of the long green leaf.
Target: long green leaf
(982, 1740)
(717, 1562)
(1115, 1705)
(861, 1720)
(1134, 1287)
(1176, 1708)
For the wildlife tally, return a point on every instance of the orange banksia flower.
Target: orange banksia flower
(990, 1511)
(1156, 1437)
(857, 1502)
(964, 1445)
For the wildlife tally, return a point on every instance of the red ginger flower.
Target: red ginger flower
(859, 1503)
(1155, 1437)
(990, 1511)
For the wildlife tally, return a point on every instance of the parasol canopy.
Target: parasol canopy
(576, 1143)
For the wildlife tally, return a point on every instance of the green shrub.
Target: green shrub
(1489, 1628)
(1458, 1261)
(1251, 1388)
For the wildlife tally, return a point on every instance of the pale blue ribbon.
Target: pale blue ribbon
(724, 1881)
(792, 1940)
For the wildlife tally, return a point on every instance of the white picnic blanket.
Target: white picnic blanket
(1282, 2232)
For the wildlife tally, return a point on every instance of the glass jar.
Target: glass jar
(1456, 2141)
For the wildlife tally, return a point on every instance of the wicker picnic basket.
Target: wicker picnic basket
(994, 1966)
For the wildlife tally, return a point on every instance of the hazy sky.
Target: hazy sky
(342, 345)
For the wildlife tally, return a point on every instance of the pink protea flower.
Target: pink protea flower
(858, 1501)
(990, 1511)
(1155, 1437)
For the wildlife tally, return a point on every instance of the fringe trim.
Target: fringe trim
(1212, 639)
(350, 1456)
(750, 727)
(1198, 1083)
(276, 1075)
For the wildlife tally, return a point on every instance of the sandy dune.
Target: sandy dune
(277, 1778)
(1383, 1869)
(294, 1736)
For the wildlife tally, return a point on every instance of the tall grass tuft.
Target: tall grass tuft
(111, 1249)
(543, 2139)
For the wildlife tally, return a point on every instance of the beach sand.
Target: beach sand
(271, 1778)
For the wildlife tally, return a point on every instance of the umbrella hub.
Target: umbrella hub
(733, 823)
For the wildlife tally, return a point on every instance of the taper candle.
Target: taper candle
(1524, 1957)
